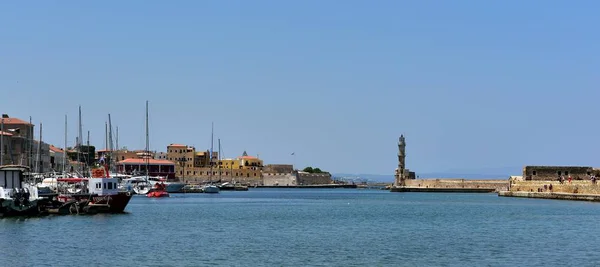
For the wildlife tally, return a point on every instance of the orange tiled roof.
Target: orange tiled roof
(14, 121)
(248, 157)
(143, 161)
(177, 145)
(56, 149)
(5, 133)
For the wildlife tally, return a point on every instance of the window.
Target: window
(110, 185)
(534, 173)
(104, 185)
(589, 173)
(559, 172)
(566, 172)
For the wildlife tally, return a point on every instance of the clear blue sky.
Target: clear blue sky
(474, 85)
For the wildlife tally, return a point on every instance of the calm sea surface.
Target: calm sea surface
(320, 227)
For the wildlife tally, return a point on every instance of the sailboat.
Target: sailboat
(142, 186)
(159, 189)
(210, 188)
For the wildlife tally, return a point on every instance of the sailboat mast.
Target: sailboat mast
(105, 136)
(147, 141)
(39, 166)
(79, 138)
(110, 142)
(65, 149)
(219, 160)
(117, 145)
(212, 133)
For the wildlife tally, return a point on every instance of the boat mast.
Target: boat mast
(147, 142)
(219, 160)
(110, 142)
(105, 137)
(39, 166)
(30, 145)
(65, 149)
(87, 154)
(117, 145)
(212, 132)
(79, 137)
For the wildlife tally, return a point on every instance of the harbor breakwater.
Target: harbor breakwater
(582, 190)
(452, 186)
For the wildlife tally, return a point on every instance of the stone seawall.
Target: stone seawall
(442, 190)
(551, 195)
(472, 185)
(575, 187)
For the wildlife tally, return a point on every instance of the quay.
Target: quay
(552, 195)
(310, 186)
(442, 190)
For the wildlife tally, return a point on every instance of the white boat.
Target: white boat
(210, 188)
(172, 187)
(17, 196)
(138, 184)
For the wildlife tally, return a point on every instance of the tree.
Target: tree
(308, 169)
(317, 170)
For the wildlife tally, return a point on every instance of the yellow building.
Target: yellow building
(195, 166)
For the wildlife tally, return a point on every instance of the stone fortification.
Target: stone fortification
(549, 173)
(279, 179)
(574, 187)
(496, 185)
(305, 178)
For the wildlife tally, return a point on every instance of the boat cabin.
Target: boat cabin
(11, 177)
(103, 186)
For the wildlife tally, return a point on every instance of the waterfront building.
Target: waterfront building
(41, 157)
(57, 156)
(195, 166)
(160, 155)
(156, 167)
(5, 156)
(17, 142)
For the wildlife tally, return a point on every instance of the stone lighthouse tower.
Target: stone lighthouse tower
(401, 170)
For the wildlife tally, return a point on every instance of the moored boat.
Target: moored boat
(17, 196)
(159, 190)
(101, 194)
(211, 189)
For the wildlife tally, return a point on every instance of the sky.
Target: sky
(475, 86)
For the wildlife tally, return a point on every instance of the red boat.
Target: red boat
(159, 190)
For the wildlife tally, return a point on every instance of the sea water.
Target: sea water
(313, 227)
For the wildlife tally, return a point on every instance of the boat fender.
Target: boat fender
(128, 193)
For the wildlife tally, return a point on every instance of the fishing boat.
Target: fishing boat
(17, 195)
(101, 194)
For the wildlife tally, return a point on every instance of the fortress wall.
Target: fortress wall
(576, 186)
(458, 183)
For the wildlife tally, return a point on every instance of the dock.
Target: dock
(551, 195)
(310, 186)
